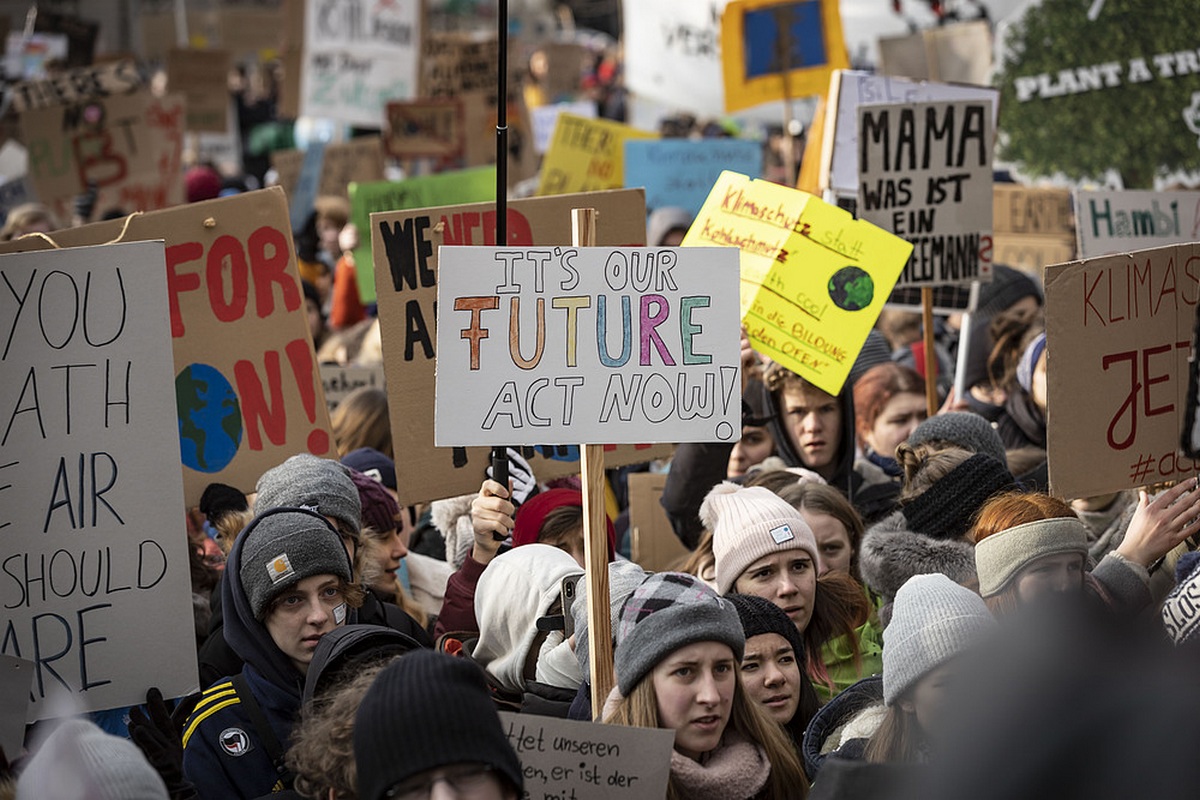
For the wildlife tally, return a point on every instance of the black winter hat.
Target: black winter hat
(947, 509)
(761, 616)
(219, 499)
(424, 711)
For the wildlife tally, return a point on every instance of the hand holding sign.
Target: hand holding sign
(1160, 524)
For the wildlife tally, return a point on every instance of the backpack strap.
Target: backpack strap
(266, 733)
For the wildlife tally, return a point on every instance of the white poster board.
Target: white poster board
(673, 54)
(339, 381)
(1111, 222)
(925, 174)
(597, 345)
(358, 55)
(96, 589)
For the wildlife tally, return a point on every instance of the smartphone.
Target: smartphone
(569, 590)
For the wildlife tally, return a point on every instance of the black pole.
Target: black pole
(499, 453)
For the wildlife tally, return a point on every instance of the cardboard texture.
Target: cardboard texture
(1118, 337)
(406, 267)
(426, 128)
(673, 54)
(75, 86)
(454, 63)
(586, 155)
(129, 146)
(1117, 222)
(681, 172)
(925, 174)
(604, 345)
(1032, 252)
(357, 160)
(587, 760)
(654, 543)
(848, 89)
(257, 30)
(89, 436)
(566, 64)
(956, 53)
(201, 77)
(338, 381)
(158, 31)
(779, 49)
(1027, 211)
(238, 323)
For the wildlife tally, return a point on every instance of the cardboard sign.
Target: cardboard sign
(453, 64)
(433, 127)
(604, 345)
(304, 194)
(444, 188)
(563, 758)
(681, 172)
(339, 381)
(130, 147)
(586, 155)
(89, 429)
(673, 53)
(1117, 222)
(26, 56)
(357, 160)
(246, 376)
(824, 293)
(406, 246)
(544, 118)
(654, 544)
(925, 173)
(1028, 211)
(1118, 337)
(201, 77)
(254, 28)
(778, 49)
(1031, 253)
(957, 53)
(848, 90)
(77, 85)
(358, 55)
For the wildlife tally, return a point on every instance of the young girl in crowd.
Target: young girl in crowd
(678, 650)
(889, 404)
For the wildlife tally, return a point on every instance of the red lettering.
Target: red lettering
(97, 162)
(181, 282)
(1151, 381)
(270, 257)
(255, 409)
(226, 252)
(476, 305)
(1130, 403)
(300, 354)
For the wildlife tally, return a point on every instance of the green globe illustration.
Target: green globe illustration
(210, 418)
(851, 289)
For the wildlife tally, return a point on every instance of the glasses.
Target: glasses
(464, 779)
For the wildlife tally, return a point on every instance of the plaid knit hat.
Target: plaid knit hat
(428, 710)
(760, 616)
(318, 484)
(999, 557)
(668, 611)
(284, 546)
(963, 429)
(1181, 609)
(749, 523)
(80, 760)
(947, 508)
(933, 620)
(379, 509)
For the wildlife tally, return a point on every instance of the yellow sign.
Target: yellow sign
(586, 155)
(824, 293)
(778, 49)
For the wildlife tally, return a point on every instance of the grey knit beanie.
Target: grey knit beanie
(623, 578)
(999, 557)
(964, 429)
(80, 760)
(282, 547)
(668, 611)
(933, 620)
(318, 484)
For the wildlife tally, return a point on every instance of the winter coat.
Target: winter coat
(890, 554)
(838, 658)
(844, 726)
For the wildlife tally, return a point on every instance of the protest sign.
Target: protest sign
(426, 128)
(27, 55)
(960, 52)
(544, 118)
(453, 64)
(673, 53)
(1117, 222)
(925, 173)
(201, 76)
(1032, 227)
(444, 188)
(1118, 337)
(681, 172)
(130, 147)
(586, 155)
(848, 89)
(669, 374)
(78, 85)
(562, 758)
(653, 543)
(406, 245)
(824, 292)
(89, 424)
(342, 163)
(158, 29)
(358, 55)
(779, 49)
(339, 381)
(246, 377)
(251, 28)
(304, 193)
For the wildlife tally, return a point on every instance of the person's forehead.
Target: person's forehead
(809, 394)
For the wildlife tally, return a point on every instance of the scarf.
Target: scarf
(557, 664)
(736, 770)
(888, 465)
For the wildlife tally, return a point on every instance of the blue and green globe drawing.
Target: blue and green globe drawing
(851, 289)
(210, 418)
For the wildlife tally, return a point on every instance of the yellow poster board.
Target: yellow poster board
(586, 155)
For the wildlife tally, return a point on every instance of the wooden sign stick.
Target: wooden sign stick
(931, 363)
(595, 527)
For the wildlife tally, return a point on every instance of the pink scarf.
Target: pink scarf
(736, 770)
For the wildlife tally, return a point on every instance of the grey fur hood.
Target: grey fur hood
(891, 554)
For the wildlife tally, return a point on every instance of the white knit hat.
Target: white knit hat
(80, 760)
(749, 523)
(933, 620)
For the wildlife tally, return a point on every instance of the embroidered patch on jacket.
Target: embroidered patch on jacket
(279, 568)
(235, 742)
(782, 533)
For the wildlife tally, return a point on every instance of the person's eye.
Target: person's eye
(832, 549)
(788, 659)
(749, 666)
(801, 566)
(761, 574)
(330, 591)
(682, 672)
(723, 668)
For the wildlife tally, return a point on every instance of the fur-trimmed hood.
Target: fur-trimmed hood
(844, 724)
(452, 517)
(890, 554)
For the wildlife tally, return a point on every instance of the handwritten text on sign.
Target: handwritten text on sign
(925, 174)
(1119, 332)
(87, 432)
(590, 345)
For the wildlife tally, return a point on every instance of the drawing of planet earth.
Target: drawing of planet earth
(851, 289)
(210, 418)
